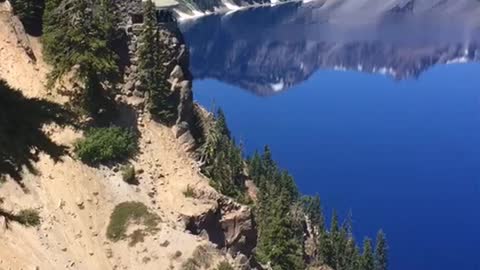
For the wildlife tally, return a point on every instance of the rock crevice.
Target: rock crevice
(229, 225)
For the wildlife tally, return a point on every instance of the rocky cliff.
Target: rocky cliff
(76, 202)
(292, 41)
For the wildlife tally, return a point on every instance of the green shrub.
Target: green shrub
(201, 259)
(105, 144)
(128, 175)
(28, 217)
(138, 236)
(244, 198)
(127, 212)
(189, 192)
(224, 266)
(3, 180)
(190, 264)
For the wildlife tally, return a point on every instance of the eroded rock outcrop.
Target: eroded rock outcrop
(15, 25)
(175, 59)
(229, 225)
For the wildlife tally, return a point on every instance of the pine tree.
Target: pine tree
(269, 167)
(334, 240)
(325, 249)
(109, 21)
(226, 169)
(221, 124)
(381, 252)
(352, 255)
(278, 242)
(313, 210)
(153, 77)
(367, 259)
(334, 225)
(286, 181)
(76, 38)
(224, 160)
(327, 243)
(148, 49)
(255, 168)
(53, 36)
(341, 249)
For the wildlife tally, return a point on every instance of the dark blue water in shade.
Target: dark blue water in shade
(402, 156)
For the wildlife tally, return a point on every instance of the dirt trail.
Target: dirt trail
(75, 203)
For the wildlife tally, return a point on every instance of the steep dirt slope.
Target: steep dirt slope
(19, 63)
(75, 201)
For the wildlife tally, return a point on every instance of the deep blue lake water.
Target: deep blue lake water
(377, 127)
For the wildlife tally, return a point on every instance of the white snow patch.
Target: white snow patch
(277, 86)
(384, 71)
(231, 6)
(459, 60)
(197, 13)
(227, 8)
(184, 16)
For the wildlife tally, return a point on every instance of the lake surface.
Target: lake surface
(381, 117)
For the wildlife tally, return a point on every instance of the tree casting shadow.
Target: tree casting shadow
(21, 135)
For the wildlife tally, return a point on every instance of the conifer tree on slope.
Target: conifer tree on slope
(287, 182)
(262, 168)
(255, 168)
(77, 36)
(153, 77)
(367, 259)
(314, 212)
(223, 158)
(148, 49)
(342, 257)
(325, 248)
(278, 241)
(53, 32)
(352, 256)
(381, 252)
(221, 123)
(334, 239)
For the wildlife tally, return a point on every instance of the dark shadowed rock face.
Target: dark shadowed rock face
(269, 49)
(228, 225)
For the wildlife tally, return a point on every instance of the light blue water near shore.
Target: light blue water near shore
(401, 155)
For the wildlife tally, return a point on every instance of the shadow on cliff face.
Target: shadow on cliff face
(230, 226)
(21, 136)
(30, 13)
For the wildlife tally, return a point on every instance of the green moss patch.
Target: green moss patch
(127, 213)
